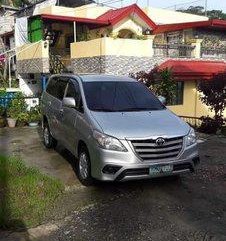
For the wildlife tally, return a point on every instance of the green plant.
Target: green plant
(161, 82)
(34, 114)
(210, 125)
(22, 119)
(17, 105)
(214, 96)
(2, 111)
(26, 194)
(140, 37)
(2, 117)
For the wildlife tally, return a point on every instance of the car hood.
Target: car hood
(143, 124)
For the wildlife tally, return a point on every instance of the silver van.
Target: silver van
(116, 128)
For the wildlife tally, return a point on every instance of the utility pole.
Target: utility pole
(206, 4)
(147, 3)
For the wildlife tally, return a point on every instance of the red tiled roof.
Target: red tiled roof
(111, 17)
(214, 23)
(114, 16)
(74, 19)
(194, 69)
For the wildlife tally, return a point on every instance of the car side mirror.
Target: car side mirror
(162, 99)
(69, 102)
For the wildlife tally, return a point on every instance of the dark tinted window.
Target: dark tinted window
(56, 87)
(179, 95)
(120, 96)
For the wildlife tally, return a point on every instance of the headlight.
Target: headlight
(191, 138)
(108, 142)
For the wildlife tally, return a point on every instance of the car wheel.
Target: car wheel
(48, 139)
(84, 168)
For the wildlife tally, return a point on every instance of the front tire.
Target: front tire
(48, 140)
(84, 167)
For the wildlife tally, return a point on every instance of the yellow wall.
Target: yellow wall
(164, 16)
(57, 10)
(33, 51)
(110, 46)
(192, 105)
(88, 11)
(130, 24)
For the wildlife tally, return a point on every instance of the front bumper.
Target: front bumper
(130, 167)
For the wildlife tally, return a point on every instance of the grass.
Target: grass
(26, 195)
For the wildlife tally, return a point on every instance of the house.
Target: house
(97, 39)
(7, 27)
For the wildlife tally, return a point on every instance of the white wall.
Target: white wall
(30, 87)
(163, 16)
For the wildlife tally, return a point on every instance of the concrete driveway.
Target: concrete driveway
(192, 208)
(27, 144)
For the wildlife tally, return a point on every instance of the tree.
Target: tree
(214, 96)
(15, 3)
(199, 10)
(161, 82)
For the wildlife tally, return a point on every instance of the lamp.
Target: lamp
(147, 31)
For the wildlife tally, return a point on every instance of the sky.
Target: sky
(170, 4)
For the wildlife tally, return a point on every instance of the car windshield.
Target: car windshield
(120, 96)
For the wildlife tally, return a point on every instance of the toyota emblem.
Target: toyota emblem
(160, 141)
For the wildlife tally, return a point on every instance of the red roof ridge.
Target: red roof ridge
(194, 69)
(178, 26)
(113, 16)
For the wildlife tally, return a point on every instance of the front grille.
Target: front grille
(149, 150)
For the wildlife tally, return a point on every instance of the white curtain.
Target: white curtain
(21, 31)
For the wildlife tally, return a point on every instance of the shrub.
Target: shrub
(34, 114)
(210, 125)
(214, 96)
(161, 82)
(17, 106)
(22, 119)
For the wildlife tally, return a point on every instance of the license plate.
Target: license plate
(160, 169)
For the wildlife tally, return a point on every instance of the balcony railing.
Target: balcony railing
(173, 50)
(216, 53)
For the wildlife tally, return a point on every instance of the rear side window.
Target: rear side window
(56, 87)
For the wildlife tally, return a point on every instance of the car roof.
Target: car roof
(98, 77)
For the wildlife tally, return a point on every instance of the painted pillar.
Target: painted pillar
(151, 40)
(44, 81)
(196, 53)
(75, 39)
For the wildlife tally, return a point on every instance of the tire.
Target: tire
(84, 167)
(48, 140)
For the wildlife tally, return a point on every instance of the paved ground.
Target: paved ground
(26, 143)
(192, 208)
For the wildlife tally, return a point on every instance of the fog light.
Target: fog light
(110, 169)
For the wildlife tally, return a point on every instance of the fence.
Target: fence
(173, 50)
(193, 121)
(217, 53)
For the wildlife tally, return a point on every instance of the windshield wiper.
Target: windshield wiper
(137, 109)
(102, 110)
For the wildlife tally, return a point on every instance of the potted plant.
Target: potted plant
(2, 117)
(34, 116)
(22, 119)
(16, 106)
(11, 117)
